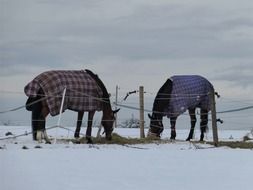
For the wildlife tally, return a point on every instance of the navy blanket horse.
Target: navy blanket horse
(85, 92)
(178, 94)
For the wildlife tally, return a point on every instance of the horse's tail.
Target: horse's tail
(29, 103)
(204, 120)
(33, 101)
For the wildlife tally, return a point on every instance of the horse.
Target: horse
(85, 92)
(178, 94)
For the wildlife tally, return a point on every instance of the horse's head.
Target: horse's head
(160, 104)
(156, 126)
(108, 117)
(107, 122)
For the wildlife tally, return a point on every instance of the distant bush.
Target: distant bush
(131, 123)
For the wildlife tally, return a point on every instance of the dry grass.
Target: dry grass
(235, 144)
(117, 139)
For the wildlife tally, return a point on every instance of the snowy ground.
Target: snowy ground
(179, 165)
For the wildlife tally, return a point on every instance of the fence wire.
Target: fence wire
(131, 106)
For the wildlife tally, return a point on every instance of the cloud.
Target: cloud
(238, 75)
(129, 42)
(141, 37)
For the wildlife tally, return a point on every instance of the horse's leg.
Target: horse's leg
(173, 133)
(193, 123)
(35, 120)
(203, 123)
(44, 113)
(89, 127)
(39, 115)
(41, 132)
(78, 124)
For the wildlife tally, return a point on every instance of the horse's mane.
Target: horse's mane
(106, 97)
(162, 98)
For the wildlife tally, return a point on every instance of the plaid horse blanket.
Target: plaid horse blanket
(188, 91)
(82, 91)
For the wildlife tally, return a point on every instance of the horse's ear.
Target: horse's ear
(115, 111)
(150, 117)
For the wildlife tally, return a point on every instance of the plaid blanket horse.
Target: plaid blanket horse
(82, 91)
(188, 92)
(178, 94)
(85, 92)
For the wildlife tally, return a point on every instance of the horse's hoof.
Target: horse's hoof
(76, 136)
(188, 139)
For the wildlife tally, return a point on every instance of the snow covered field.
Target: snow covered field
(66, 166)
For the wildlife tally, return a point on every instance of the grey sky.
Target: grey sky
(129, 42)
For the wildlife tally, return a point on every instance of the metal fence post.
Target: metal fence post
(60, 113)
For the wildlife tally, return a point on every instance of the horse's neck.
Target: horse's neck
(158, 116)
(105, 96)
(158, 108)
(162, 99)
(107, 107)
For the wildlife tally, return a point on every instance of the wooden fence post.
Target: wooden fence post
(141, 100)
(214, 119)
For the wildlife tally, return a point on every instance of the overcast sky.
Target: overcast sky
(129, 42)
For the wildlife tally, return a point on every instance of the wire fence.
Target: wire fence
(129, 101)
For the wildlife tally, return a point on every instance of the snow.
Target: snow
(178, 165)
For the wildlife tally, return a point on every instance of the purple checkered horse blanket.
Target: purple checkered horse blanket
(82, 91)
(188, 91)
